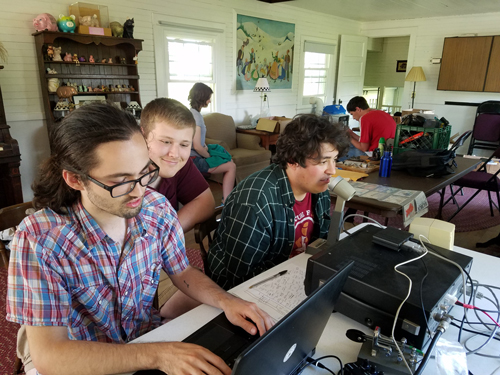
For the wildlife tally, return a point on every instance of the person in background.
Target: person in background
(374, 124)
(84, 268)
(169, 127)
(275, 213)
(199, 97)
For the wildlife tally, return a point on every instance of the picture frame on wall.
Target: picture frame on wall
(401, 66)
(264, 48)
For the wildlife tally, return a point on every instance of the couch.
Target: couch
(247, 154)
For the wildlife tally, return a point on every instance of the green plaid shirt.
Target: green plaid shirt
(256, 231)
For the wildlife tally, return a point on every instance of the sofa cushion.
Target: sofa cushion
(221, 127)
(242, 156)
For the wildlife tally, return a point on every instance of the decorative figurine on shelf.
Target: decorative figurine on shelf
(118, 88)
(91, 59)
(75, 59)
(82, 59)
(89, 88)
(50, 53)
(123, 61)
(116, 29)
(85, 89)
(68, 57)
(128, 28)
(65, 92)
(45, 22)
(105, 88)
(103, 61)
(80, 88)
(124, 88)
(52, 83)
(85, 20)
(131, 88)
(110, 60)
(94, 21)
(57, 54)
(66, 24)
(136, 59)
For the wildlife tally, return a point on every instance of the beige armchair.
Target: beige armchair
(247, 154)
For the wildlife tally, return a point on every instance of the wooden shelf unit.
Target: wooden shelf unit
(86, 73)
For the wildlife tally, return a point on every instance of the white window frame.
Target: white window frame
(303, 104)
(184, 28)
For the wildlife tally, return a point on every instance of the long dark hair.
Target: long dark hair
(198, 95)
(303, 136)
(73, 142)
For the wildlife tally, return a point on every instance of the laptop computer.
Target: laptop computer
(283, 349)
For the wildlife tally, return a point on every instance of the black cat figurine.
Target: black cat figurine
(128, 29)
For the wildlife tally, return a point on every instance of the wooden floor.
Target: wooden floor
(466, 240)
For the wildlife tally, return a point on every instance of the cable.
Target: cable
(477, 308)
(403, 302)
(363, 216)
(422, 296)
(426, 358)
(316, 362)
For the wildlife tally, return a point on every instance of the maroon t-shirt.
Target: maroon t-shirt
(304, 224)
(186, 185)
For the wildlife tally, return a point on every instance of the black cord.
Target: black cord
(427, 356)
(472, 331)
(315, 362)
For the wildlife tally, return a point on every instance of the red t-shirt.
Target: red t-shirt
(186, 185)
(374, 125)
(304, 224)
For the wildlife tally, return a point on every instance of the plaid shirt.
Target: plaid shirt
(256, 231)
(65, 271)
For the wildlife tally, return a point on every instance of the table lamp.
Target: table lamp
(262, 86)
(344, 192)
(416, 75)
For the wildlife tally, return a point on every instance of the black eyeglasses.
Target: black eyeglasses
(123, 188)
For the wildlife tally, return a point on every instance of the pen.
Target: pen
(269, 278)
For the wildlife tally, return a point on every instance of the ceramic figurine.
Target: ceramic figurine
(50, 53)
(80, 88)
(85, 20)
(75, 57)
(123, 61)
(110, 60)
(118, 88)
(103, 61)
(82, 59)
(68, 57)
(45, 21)
(128, 29)
(66, 24)
(124, 88)
(57, 54)
(131, 88)
(91, 59)
(116, 29)
(94, 21)
(89, 88)
(136, 59)
(85, 89)
(52, 83)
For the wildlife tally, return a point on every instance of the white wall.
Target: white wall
(20, 82)
(381, 65)
(426, 41)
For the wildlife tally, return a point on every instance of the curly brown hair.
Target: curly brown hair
(73, 144)
(303, 136)
(198, 95)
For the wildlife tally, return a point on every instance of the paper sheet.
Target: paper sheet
(283, 293)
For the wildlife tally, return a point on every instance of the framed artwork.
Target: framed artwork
(401, 66)
(80, 100)
(264, 49)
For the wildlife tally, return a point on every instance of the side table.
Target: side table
(266, 138)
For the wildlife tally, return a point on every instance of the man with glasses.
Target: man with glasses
(84, 268)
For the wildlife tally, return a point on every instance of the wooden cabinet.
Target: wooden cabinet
(464, 63)
(493, 76)
(121, 72)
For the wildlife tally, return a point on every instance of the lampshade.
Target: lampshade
(262, 85)
(416, 75)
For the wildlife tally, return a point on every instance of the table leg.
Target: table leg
(265, 141)
(441, 200)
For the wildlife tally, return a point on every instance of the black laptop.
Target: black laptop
(284, 348)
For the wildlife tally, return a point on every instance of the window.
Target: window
(318, 78)
(189, 61)
(187, 51)
(315, 74)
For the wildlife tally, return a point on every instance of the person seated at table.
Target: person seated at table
(169, 127)
(84, 268)
(374, 124)
(275, 213)
(199, 97)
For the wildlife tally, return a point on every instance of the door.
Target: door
(352, 62)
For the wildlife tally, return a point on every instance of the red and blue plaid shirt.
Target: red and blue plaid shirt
(65, 271)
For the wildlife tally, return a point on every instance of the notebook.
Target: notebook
(283, 349)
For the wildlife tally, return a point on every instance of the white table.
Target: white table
(334, 341)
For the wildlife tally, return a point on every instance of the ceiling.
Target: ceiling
(382, 10)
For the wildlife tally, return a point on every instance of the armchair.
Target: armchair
(247, 154)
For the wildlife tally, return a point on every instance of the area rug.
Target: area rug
(475, 216)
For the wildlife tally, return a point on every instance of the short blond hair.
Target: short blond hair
(168, 110)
